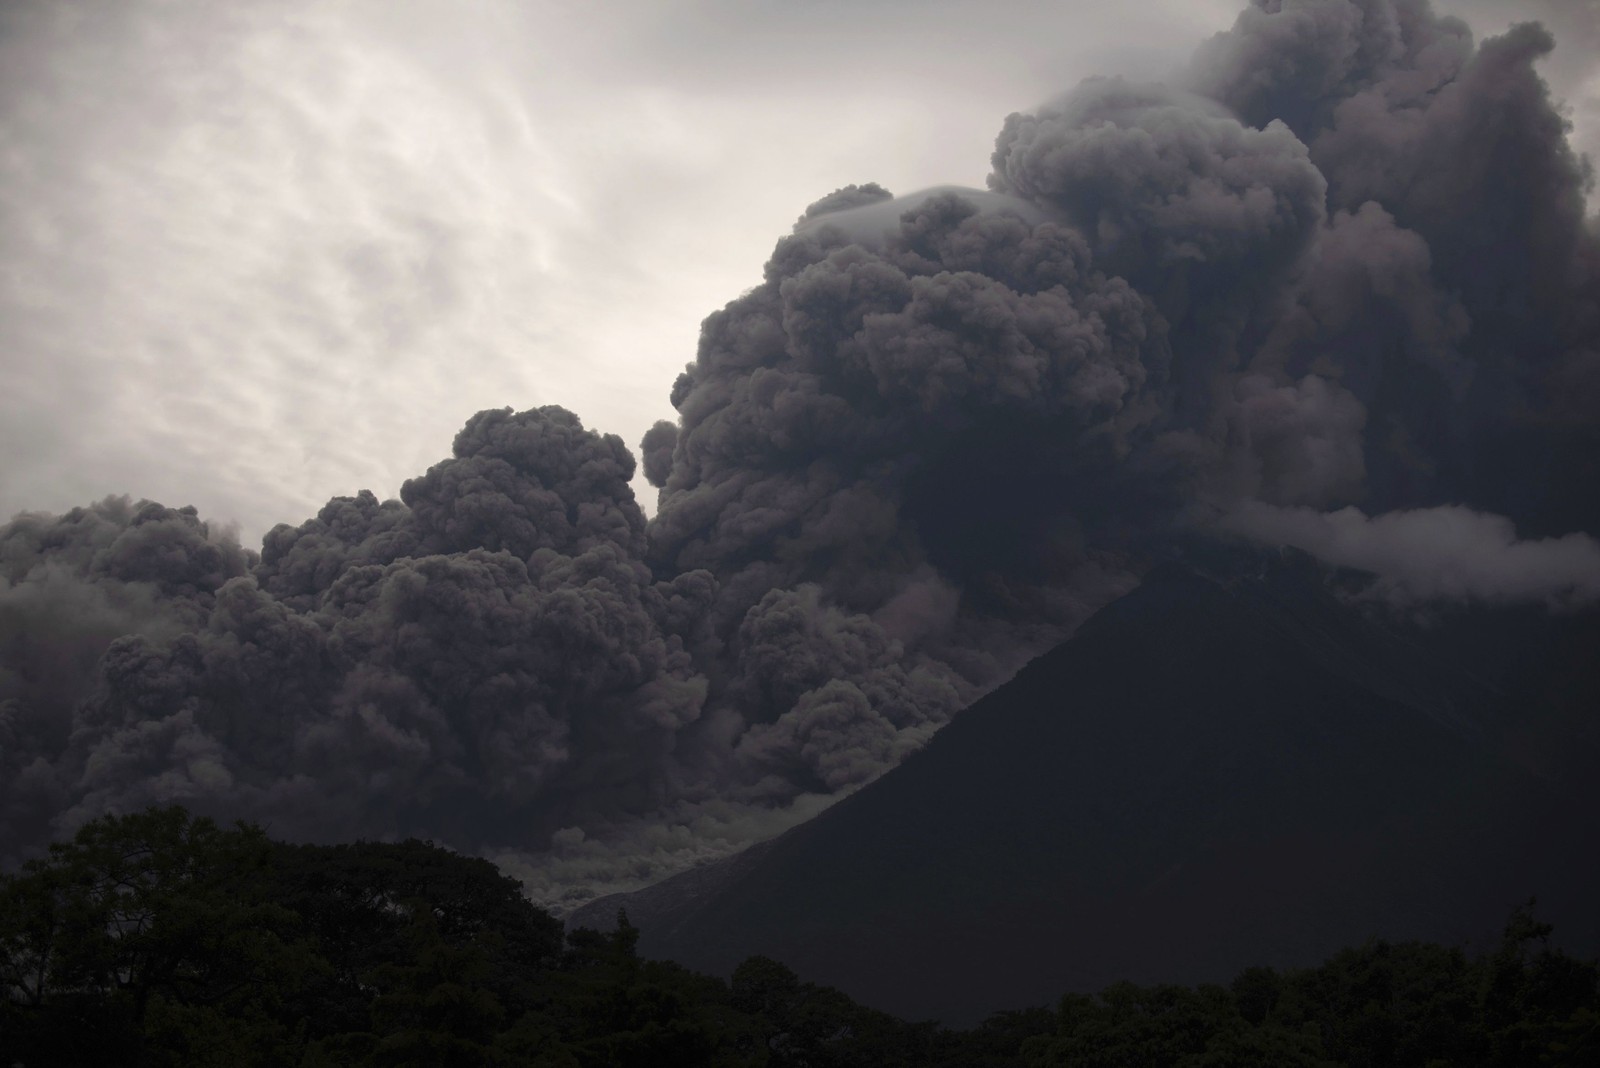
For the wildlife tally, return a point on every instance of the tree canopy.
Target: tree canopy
(158, 939)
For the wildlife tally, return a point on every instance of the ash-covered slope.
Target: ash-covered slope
(1211, 774)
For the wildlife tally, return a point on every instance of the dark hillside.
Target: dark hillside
(1210, 774)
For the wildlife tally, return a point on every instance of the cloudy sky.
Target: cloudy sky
(253, 255)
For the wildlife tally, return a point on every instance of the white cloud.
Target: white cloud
(1449, 553)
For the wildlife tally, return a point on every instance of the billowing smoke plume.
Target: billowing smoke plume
(71, 588)
(1340, 270)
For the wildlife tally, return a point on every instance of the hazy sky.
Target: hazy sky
(253, 255)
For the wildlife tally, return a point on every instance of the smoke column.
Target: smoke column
(1332, 285)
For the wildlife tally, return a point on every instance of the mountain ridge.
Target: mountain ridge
(1210, 774)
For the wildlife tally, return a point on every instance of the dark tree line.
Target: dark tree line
(162, 939)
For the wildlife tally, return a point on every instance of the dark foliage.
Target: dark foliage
(163, 939)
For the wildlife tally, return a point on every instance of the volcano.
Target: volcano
(1229, 766)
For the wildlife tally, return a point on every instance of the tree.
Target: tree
(359, 902)
(146, 939)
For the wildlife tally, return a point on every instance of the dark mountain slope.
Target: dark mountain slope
(1209, 775)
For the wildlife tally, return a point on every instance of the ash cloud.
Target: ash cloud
(1334, 285)
(72, 588)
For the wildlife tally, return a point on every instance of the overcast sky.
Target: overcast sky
(253, 255)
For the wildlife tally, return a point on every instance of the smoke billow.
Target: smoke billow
(1334, 288)
(72, 588)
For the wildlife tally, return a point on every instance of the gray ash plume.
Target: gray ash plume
(1334, 287)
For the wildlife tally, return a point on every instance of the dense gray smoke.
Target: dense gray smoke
(71, 588)
(1339, 270)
